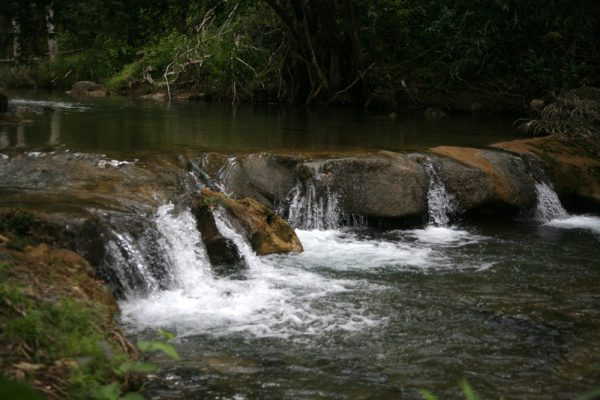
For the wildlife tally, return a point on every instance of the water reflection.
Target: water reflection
(4, 140)
(55, 128)
(120, 125)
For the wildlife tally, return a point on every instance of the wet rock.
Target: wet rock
(266, 231)
(388, 185)
(572, 165)
(224, 256)
(88, 89)
(486, 178)
(89, 179)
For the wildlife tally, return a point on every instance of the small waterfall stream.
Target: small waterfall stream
(312, 203)
(548, 205)
(441, 205)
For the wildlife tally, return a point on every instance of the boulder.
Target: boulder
(382, 185)
(486, 178)
(572, 165)
(224, 256)
(266, 231)
(88, 89)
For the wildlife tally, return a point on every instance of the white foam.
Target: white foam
(444, 235)
(273, 301)
(341, 250)
(577, 222)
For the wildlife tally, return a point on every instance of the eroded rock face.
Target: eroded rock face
(573, 166)
(486, 178)
(266, 231)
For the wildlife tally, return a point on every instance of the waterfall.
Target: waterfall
(184, 250)
(440, 203)
(548, 206)
(311, 208)
(312, 204)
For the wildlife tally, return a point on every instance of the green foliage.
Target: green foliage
(17, 390)
(64, 329)
(234, 48)
(594, 394)
(150, 346)
(114, 391)
(466, 388)
(575, 113)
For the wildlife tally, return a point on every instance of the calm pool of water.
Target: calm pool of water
(118, 124)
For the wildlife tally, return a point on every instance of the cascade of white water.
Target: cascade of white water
(182, 246)
(311, 208)
(130, 263)
(548, 206)
(440, 203)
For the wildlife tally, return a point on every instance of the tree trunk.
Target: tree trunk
(17, 50)
(51, 29)
(324, 47)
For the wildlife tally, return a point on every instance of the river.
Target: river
(364, 313)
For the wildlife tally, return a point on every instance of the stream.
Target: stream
(513, 306)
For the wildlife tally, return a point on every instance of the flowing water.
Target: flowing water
(512, 306)
(367, 314)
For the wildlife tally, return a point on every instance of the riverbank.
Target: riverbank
(59, 332)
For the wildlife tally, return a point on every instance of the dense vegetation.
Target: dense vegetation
(344, 51)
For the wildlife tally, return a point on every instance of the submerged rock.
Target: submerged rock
(266, 231)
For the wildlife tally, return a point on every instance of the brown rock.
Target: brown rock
(482, 177)
(88, 89)
(573, 166)
(267, 232)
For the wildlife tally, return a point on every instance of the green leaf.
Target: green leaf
(167, 335)
(468, 390)
(166, 348)
(132, 396)
(594, 394)
(136, 366)
(427, 395)
(108, 392)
